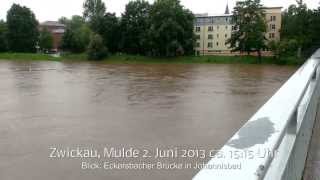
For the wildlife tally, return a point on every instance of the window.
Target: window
(213, 19)
(197, 36)
(210, 36)
(272, 26)
(217, 43)
(227, 19)
(234, 28)
(271, 35)
(226, 35)
(217, 27)
(210, 28)
(210, 45)
(198, 44)
(226, 27)
(217, 35)
(273, 18)
(198, 29)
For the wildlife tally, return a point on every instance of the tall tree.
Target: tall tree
(315, 26)
(110, 32)
(249, 22)
(22, 29)
(3, 36)
(94, 11)
(63, 20)
(297, 25)
(102, 23)
(77, 35)
(171, 29)
(134, 23)
(45, 40)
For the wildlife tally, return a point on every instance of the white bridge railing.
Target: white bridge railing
(273, 144)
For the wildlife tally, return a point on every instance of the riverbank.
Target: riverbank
(133, 59)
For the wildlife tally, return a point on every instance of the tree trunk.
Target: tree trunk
(259, 57)
(299, 52)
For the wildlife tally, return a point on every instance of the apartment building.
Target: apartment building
(213, 31)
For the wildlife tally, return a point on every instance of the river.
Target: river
(98, 106)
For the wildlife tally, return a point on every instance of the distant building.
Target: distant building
(57, 30)
(213, 31)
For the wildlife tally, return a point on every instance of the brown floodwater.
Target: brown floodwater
(92, 105)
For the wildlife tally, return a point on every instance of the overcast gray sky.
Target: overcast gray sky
(53, 9)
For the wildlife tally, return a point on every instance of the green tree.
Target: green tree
(76, 22)
(109, 29)
(22, 29)
(283, 48)
(63, 20)
(3, 36)
(296, 25)
(45, 40)
(315, 26)
(96, 48)
(77, 35)
(134, 23)
(249, 22)
(171, 29)
(94, 11)
(102, 23)
(67, 43)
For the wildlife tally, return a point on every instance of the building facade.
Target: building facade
(57, 30)
(213, 31)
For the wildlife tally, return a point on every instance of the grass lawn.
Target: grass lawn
(133, 59)
(27, 56)
(203, 60)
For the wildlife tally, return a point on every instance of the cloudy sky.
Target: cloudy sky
(53, 9)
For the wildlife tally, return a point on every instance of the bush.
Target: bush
(284, 48)
(96, 49)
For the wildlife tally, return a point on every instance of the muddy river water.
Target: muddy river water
(49, 108)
